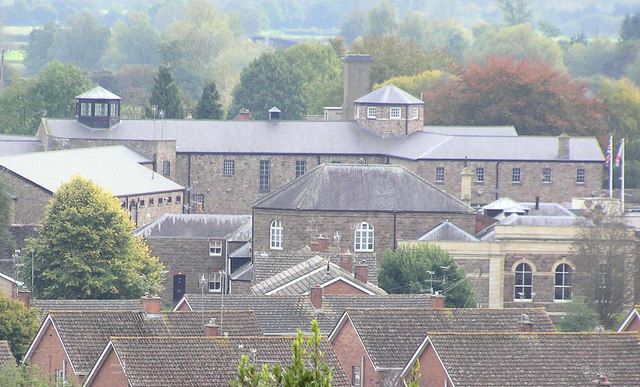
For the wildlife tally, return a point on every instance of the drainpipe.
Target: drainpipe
(497, 180)
(406, 119)
(395, 222)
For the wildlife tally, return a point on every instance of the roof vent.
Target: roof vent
(274, 114)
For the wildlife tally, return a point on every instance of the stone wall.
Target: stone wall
(142, 211)
(31, 200)
(385, 126)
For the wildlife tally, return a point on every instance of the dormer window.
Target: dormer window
(394, 113)
(372, 112)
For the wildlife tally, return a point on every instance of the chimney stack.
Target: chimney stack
(346, 261)
(563, 146)
(437, 301)
(24, 296)
(316, 297)
(362, 272)
(243, 115)
(525, 324)
(212, 329)
(465, 185)
(151, 305)
(356, 81)
(323, 244)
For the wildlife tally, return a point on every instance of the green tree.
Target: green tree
(165, 95)
(600, 56)
(39, 48)
(414, 380)
(86, 248)
(381, 20)
(307, 368)
(418, 269)
(270, 81)
(209, 107)
(133, 41)
(84, 41)
(22, 376)
(18, 325)
(417, 85)
(515, 12)
(630, 28)
(579, 318)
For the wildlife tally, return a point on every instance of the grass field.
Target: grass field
(14, 56)
(298, 34)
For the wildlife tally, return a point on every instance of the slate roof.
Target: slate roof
(204, 361)
(14, 145)
(392, 335)
(243, 273)
(115, 168)
(97, 92)
(243, 251)
(86, 333)
(357, 187)
(6, 356)
(389, 95)
(196, 226)
(471, 130)
(539, 359)
(447, 231)
(319, 137)
(300, 278)
(46, 306)
(284, 314)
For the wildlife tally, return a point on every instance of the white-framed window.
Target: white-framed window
(265, 176)
(275, 235)
(395, 113)
(114, 109)
(215, 283)
(581, 176)
(228, 167)
(439, 174)
(523, 286)
(546, 175)
(301, 168)
(516, 175)
(215, 248)
(563, 283)
(85, 109)
(166, 168)
(356, 376)
(372, 112)
(102, 109)
(415, 112)
(479, 174)
(60, 379)
(363, 240)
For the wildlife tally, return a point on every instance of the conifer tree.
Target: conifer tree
(165, 96)
(209, 107)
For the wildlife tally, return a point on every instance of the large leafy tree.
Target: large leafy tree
(209, 107)
(86, 248)
(630, 28)
(133, 41)
(18, 325)
(165, 96)
(422, 269)
(22, 375)
(515, 12)
(532, 96)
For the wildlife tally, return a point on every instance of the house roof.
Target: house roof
(243, 251)
(194, 226)
(115, 168)
(538, 359)
(447, 231)
(389, 95)
(97, 92)
(471, 130)
(85, 333)
(357, 187)
(631, 317)
(391, 335)
(6, 356)
(285, 314)
(315, 271)
(202, 361)
(13, 145)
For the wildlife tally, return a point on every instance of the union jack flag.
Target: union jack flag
(609, 151)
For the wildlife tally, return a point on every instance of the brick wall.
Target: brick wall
(432, 372)
(341, 287)
(351, 353)
(110, 373)
(49, 355)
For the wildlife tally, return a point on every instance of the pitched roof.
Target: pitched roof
(46, 306)
(389, 95)
(115, 168)
(447, 231)
(86, 333)
(243, 251)
(203, 361)
(471, 130)
(6, 356)
(300, 278)
(392, 335)
(537, 359)
(195, 226)
(13, 145)
(285, 314)
(357, 187)
(97, 92)
(632, 316)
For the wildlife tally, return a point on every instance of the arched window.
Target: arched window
(563, 282)
(523, 288)
(363, 238)
(275, 235)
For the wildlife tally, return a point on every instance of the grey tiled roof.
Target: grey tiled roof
(389, 95)
(46, 306)
(115, 168)
(300, 278)
(391, 336)
(356, 187)
(243, 251)
(6, 356)
(284, 314)
(472, 130)
(97, 92)
(85, 334)
(243, 273)
(205, 361)
(539, 359)
(196, 226)
(447, 231)
(14, 145)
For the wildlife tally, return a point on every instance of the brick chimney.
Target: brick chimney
(437, 301)
(563, 146)
(362, 272)
(525, 324)
(465, 185)
(323, 243)
(24, 296)
(346, 261)
(212, 329)
(243, 115)
(151, 304)
(316, 297)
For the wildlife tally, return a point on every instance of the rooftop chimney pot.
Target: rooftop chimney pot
(212, 329)
(346, 261)
(362, 272)
(316, 297)
(151, 305)
(437, 301)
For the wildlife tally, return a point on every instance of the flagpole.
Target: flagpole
(622, 177)
(610, 158)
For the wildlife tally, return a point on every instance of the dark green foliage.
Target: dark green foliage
(209, 107)
(22, 376)
(630, 28)
(515, 12)
(406, 270)
(40, 47)
(18, 325)
(165, 96)
(579, 318)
